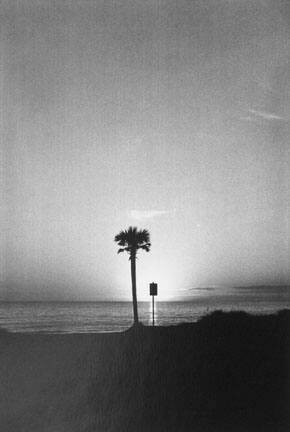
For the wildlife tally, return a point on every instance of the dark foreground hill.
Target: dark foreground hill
(228, 372)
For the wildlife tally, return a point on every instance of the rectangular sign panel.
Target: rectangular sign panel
(153, 289)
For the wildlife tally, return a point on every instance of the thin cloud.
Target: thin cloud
(255, 114)
(248, 118)
(146, 214)
(210, 288)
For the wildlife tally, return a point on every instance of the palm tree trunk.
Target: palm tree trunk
(134, 291)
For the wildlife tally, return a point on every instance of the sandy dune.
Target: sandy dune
(228, 372)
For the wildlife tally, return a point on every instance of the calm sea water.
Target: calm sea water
(95, 317)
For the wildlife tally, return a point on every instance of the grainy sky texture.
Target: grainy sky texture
(169, 115)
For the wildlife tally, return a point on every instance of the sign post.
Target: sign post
(153, 293)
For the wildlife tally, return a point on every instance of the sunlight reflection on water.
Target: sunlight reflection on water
(94, 317)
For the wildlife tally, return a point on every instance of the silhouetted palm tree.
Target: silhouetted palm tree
(131, 241)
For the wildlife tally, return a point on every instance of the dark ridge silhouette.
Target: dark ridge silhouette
(3, 331)
(131, 241)
(229, 372)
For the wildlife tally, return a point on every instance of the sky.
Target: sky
(172, 116)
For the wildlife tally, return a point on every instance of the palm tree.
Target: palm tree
(131, 241)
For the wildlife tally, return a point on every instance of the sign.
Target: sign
(153, 289)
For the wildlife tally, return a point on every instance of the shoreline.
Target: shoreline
(80, 318)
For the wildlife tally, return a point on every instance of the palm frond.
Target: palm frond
(121, 238)
(143, 236)
(145, 247)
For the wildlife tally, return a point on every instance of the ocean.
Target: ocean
(99, 317)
